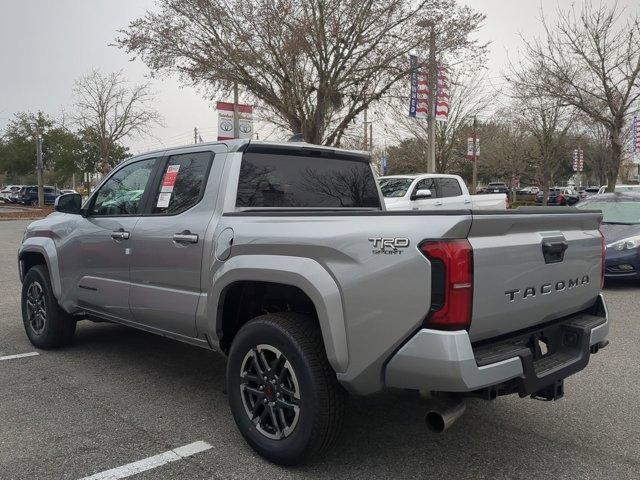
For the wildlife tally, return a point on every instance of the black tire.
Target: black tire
(321, 401)
(56, 327)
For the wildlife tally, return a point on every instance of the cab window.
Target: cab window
(183, 182)
(122, 193)
(449, 187)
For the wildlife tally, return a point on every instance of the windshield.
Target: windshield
(623, 212)
(395, 187)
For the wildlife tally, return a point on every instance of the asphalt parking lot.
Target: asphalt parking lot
(118, 396)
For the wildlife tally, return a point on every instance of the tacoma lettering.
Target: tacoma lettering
(547, 289)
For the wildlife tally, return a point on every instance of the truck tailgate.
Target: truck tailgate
(531, 267)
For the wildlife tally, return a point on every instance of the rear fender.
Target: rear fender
(303, 273)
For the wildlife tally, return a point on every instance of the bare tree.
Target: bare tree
(597, 151)
(589, 59)
(108, 111)
(549, 124)
(315, 65)
(508, 152)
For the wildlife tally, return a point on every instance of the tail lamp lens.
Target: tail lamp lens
(451, 283)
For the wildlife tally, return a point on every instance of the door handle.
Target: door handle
(120, 235)
(185, 237)
(437, 203)
(553, 252)
(467, 201)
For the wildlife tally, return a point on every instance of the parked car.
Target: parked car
(282, 257)
(14, 196)
(29, 195)
(621, 229)
(564, 196)
(495, 187)
(528, 191)
(621, 188)
(587, 192)
(431, 191)
(7, 192)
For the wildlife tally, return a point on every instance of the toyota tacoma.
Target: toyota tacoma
(283, 258)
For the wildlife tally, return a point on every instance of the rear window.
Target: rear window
(300, 181)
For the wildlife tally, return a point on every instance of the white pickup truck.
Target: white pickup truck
(431, 191)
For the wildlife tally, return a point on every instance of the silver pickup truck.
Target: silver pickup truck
(283, 258)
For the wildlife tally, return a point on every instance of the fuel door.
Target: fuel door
(224, 242)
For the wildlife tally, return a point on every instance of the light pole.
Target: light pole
(475, 155)
(432, 81)
(40, 168)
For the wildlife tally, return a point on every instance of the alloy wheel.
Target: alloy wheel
(270, 392)
(36, 307)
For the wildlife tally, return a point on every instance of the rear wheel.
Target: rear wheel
(283, 393)
(46, 324)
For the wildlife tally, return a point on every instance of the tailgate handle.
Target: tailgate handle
(554, 251)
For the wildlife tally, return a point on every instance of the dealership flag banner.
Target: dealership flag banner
(442, 95)
(578, 160)
(225, 120)
(470, 147)
(419, 98)
(636, 134)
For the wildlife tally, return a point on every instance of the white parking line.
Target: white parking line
(150, 462)
(19, 355)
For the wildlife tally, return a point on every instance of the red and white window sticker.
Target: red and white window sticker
(168, 182)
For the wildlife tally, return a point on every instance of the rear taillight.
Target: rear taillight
(603, 250)
(451, 283)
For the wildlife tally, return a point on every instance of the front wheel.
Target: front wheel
(283, 393)
(46, 324)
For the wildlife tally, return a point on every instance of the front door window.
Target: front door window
(122, 193)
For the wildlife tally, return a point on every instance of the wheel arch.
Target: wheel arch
(303, 274)
(41, 251)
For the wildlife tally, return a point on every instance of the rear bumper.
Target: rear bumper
(447, 361)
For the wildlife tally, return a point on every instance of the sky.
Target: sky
(45, 45)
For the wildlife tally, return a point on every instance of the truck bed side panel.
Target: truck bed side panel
(385, 296)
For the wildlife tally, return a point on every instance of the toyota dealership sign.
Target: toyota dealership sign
(225, 120)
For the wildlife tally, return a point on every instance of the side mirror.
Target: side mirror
(421, 194)
(69, 203)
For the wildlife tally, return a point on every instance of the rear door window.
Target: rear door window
(291, 179)
(448, 187)
(183, 182)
